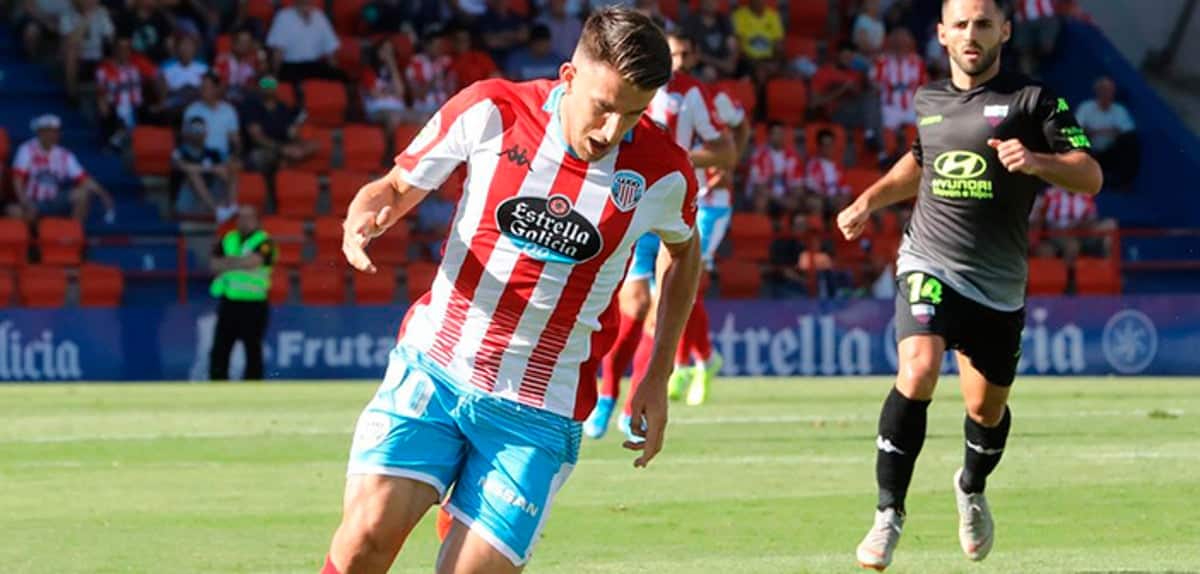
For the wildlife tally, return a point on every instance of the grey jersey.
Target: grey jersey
(970, 227)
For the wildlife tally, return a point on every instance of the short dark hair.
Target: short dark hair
(631, 43)
(1001, 5)
(825, 133)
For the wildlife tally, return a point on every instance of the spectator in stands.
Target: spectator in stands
(149, 28)
(38, 21)
(48, 180)
(303, 43)
(937, 59)
(180, 78)
(1071, 223)
(239, 68)
(839, 92)
(776, 174)
(86, 29)
(868, 32)
(565, 26)
(120, 85)
(382, 88)
(760, 33)
(220, 119)
(823, 177)
(653, 10)
(897, 74)
(197, 17)
(202, 179)
(429, 75)
(469, 65)
(1035, 34)
(537, 60)
(1112, 132)
(502, 29)
(712, 34)
(273, 129)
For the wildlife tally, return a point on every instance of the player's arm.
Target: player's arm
(377, 206)
(1075, 171)
(899, 184)
(719, 152)
(718, 149)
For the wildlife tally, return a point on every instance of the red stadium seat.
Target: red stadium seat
(377, 288)
(7, 287)
(42, 286)
(322, 284)
(152, 148)
(349, 55)
(860, 178)
(325, 101)
(319, 162)
(669, 9)
(296, 193)
(419, 277)
(100, 286)
(404, 134)
(751, 235)
(739, 279)
(1097, 276)
(1047, 276)
(60, 240)
(5, 145)
(252, 190)
(343, 184)
(327, 235)
(288, 235)
(787, 100)
(362, 148)
(800, 47)
(346, 16)
(281, 286)
(743, 90)
(808, 18)
(262, 10)
(391, 248)
(723, 6)
(286, 94)
(223, 44)
(14, 242)
(402, 44)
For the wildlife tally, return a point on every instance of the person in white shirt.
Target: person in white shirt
(1110, 127)
(304, 43)
(220, 119)
(180, 77)
(869, 30)
(48, 179)
(86, 30)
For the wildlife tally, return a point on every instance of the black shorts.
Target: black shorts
(991, 339)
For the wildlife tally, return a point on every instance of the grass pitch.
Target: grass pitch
(774, 476)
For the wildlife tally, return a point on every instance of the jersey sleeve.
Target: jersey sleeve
(447, 139)
(680, 213)
(702, 115)
(23, 161)
(1059, 126)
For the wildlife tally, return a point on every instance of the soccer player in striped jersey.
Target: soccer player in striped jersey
(495, 367)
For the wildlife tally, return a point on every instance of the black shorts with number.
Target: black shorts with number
(991, 339)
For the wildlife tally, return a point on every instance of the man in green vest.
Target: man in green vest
(242, 261)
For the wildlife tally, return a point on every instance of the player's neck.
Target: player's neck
(964, 81)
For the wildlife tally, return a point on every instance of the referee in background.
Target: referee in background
(242, 261)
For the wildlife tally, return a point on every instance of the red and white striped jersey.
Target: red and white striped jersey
(237, 72)
(431, 76)
(121, 84)
(1034, 9)
(47, 172)
(523, 303)
(1062, 209)
(685, 107)
(824, 177)
(898, 77)
(719, 180)
(779, 169)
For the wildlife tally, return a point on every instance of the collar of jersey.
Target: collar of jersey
(555, 128)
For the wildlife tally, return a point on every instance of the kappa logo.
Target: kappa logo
(518, 156)
(995, 114)
(960, 164)
(885, 445)
(628, 186)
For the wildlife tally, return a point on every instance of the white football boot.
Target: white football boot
(976, 531)
(875, 551)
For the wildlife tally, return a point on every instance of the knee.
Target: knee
(361, 540)
(918, 375)
(985, 414)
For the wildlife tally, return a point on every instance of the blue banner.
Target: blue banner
(1150, 335)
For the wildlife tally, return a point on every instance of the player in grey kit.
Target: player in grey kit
(988, 141)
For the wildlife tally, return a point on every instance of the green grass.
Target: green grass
(773, 476)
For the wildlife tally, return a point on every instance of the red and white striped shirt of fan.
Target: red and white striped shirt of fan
(47, 173)
(1062, 209)
(1027, 10)
(781, 170)
(824, 177)
(121, 84)
(523, 305)
(237, 72)
(898, 77)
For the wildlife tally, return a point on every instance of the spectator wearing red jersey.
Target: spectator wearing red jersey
(48, 179)
(776, 174)
(383, 90)
(120, 85)
(840, 94)
(828, 192)
(469, 64)
(897, 74)
(239, 68)
(429, 74)
(1072, 223)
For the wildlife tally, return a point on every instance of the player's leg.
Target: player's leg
(987, 366)
(712, 223)
(378, 514)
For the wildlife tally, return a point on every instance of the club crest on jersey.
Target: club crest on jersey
(995, 114)
(548, 229)
(628, 186)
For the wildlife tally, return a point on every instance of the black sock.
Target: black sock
(984, 447)
(901, 435)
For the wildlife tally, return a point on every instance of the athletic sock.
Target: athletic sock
(696, 333)
(641, 364)
(329, 567)
(616, 362)
(984, 447)
(444, 523)
(901, 435)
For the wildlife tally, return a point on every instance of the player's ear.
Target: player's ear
(1006, 31)
(566, 72)
(941, 35)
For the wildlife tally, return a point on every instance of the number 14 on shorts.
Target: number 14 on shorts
(924, 289)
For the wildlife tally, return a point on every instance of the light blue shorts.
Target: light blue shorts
(711, 224)
(645, 255)
(505, 461)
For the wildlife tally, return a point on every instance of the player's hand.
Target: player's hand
(1015, 157)
(853, 220)
(648, 410)
(358, 230)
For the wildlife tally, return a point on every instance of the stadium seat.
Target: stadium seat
(296, 193)
(319, 162)
(404, 134)
(5, 146)
(14, 242)
(100, 286)
(743, 90)
(751, 235)
(286, 94)
(322, 284)
(281, 286)
(1097, 276)
(262, 10)
(669, 9)
(289, 239)
(60, 240)
(42, 286)
(1047, 276)
(787, 100)
(402, 45)
(520, 7)
(362, 148)
(349, 53)
(808, 18)
(6, 288)
(418, 278)
(860, 178)
(223, 44)
(252, 190)
(152, 148)
(346, 16)
(327, 235)
(813, 129)
(325, 102)
(889, 223)
(377, 288)
(739, 279)
(723, 6)
(343, 184)
(391, 248)
(800, 47)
